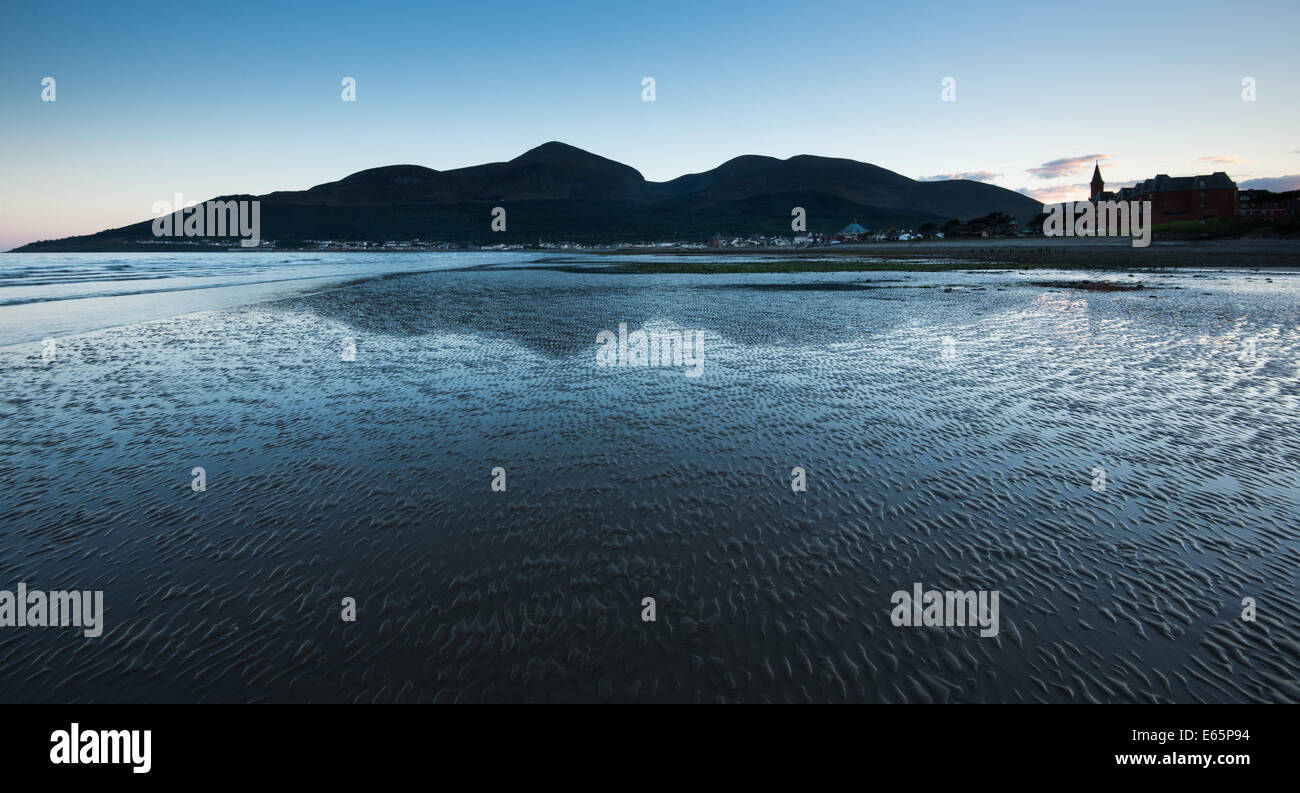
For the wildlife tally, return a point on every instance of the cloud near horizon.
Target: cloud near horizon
(1277, 184)
(1068, 166)
(1220, 159)
(1057, 194)
(975, 176)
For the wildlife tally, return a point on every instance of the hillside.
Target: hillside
(559, 192)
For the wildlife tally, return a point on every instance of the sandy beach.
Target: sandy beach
(949, 439)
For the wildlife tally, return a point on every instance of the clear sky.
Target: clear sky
(235, 97)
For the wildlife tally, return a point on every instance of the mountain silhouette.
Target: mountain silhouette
(559, 192)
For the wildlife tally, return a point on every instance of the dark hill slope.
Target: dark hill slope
(559, 192)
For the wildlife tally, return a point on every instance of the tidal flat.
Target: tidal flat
(949, 424)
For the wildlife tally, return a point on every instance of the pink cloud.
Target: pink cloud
(1057, 193)
(1067, 166)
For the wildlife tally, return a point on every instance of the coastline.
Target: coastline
(1070, 253)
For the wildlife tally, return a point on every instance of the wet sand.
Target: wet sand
(370, 479)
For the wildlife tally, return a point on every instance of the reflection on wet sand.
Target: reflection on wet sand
(370, 479)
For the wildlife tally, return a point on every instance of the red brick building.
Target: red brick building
(1175, 198)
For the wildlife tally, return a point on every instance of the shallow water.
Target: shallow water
(370, 479)
(103, 290)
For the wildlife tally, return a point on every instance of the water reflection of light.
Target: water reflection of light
(1059, 302)
(1068, 314)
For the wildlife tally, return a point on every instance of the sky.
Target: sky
(207, 100)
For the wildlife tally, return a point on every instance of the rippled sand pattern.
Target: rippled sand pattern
(370, 479)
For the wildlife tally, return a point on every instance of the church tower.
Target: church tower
(1097, 183)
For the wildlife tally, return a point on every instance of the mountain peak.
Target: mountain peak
(556, 151)
(558, 170)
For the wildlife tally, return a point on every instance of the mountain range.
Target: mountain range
(557, 192)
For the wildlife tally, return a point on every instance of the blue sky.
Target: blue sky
(245, 97)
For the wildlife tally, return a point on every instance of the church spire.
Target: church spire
(1097, 183)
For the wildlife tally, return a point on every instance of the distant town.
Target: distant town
(999, 227)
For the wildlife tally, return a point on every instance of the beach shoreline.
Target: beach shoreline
(1070, 253)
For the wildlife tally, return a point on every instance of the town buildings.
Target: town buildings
(1262, 204)
(1175, 198)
